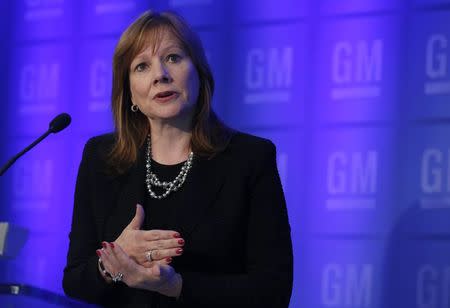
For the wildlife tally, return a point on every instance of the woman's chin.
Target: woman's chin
(174, 115)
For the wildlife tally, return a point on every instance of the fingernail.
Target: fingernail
(179, 251)
(104, 245)
(112, 245)
(99, 253)
(176, 235)
(181, 241)
(168, 260)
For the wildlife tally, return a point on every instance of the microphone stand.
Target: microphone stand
(13, 238)
(15, 157)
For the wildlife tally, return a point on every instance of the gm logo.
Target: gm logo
(435, 178)
(38, 82)
(103, 7)
(33, 180)
(347, 285)
(268, 75)
(357, 69)
(352, 180)
(36, 10)
(433, 286)
(99, 85)
(437, 68)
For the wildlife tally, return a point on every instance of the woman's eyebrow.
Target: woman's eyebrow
(139, 58)
(144, 56)
(172, 46)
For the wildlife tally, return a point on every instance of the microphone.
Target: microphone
(60, 122)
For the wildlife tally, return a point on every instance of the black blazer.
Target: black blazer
(238, 250)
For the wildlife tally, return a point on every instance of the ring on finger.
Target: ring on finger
(149, 255)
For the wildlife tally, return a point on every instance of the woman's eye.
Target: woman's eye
(173, 58)
(141, 67)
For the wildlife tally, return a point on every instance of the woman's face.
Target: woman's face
(164, 82)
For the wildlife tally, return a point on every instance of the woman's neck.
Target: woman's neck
(170, 144)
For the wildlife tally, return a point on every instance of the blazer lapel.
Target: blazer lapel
(207, 178)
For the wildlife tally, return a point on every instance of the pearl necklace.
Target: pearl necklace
(152, 179)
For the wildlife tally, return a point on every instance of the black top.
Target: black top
(161, 213)
(231, 212)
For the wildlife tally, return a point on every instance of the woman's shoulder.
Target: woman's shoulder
(98, 147)
(247, 143)
(101, 142)
(104, 140)
(249, 153)
(246, 150)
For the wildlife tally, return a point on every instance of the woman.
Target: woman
(187, 212)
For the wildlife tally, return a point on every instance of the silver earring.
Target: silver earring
(134, 108)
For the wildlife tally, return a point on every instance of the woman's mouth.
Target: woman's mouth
(165, 96)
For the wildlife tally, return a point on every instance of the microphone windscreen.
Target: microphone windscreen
(60, 122)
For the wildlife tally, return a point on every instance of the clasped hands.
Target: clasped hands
(142, 257)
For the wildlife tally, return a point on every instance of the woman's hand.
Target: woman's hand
(145, 247)
(159, 277)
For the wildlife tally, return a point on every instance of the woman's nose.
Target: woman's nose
(161, 74)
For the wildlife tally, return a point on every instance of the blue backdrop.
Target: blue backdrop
(355, 94)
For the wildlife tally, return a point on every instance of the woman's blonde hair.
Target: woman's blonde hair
(209, 134)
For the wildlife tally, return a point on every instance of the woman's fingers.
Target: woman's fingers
(164, 244)
(162, 257)
(165, 261)
(119, 253)
(158, 250)
(137, 244)
(109, 261)
(154, 235)
(160, 254)
(120, 264)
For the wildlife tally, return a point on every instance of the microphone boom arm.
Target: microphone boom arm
(13, 159)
